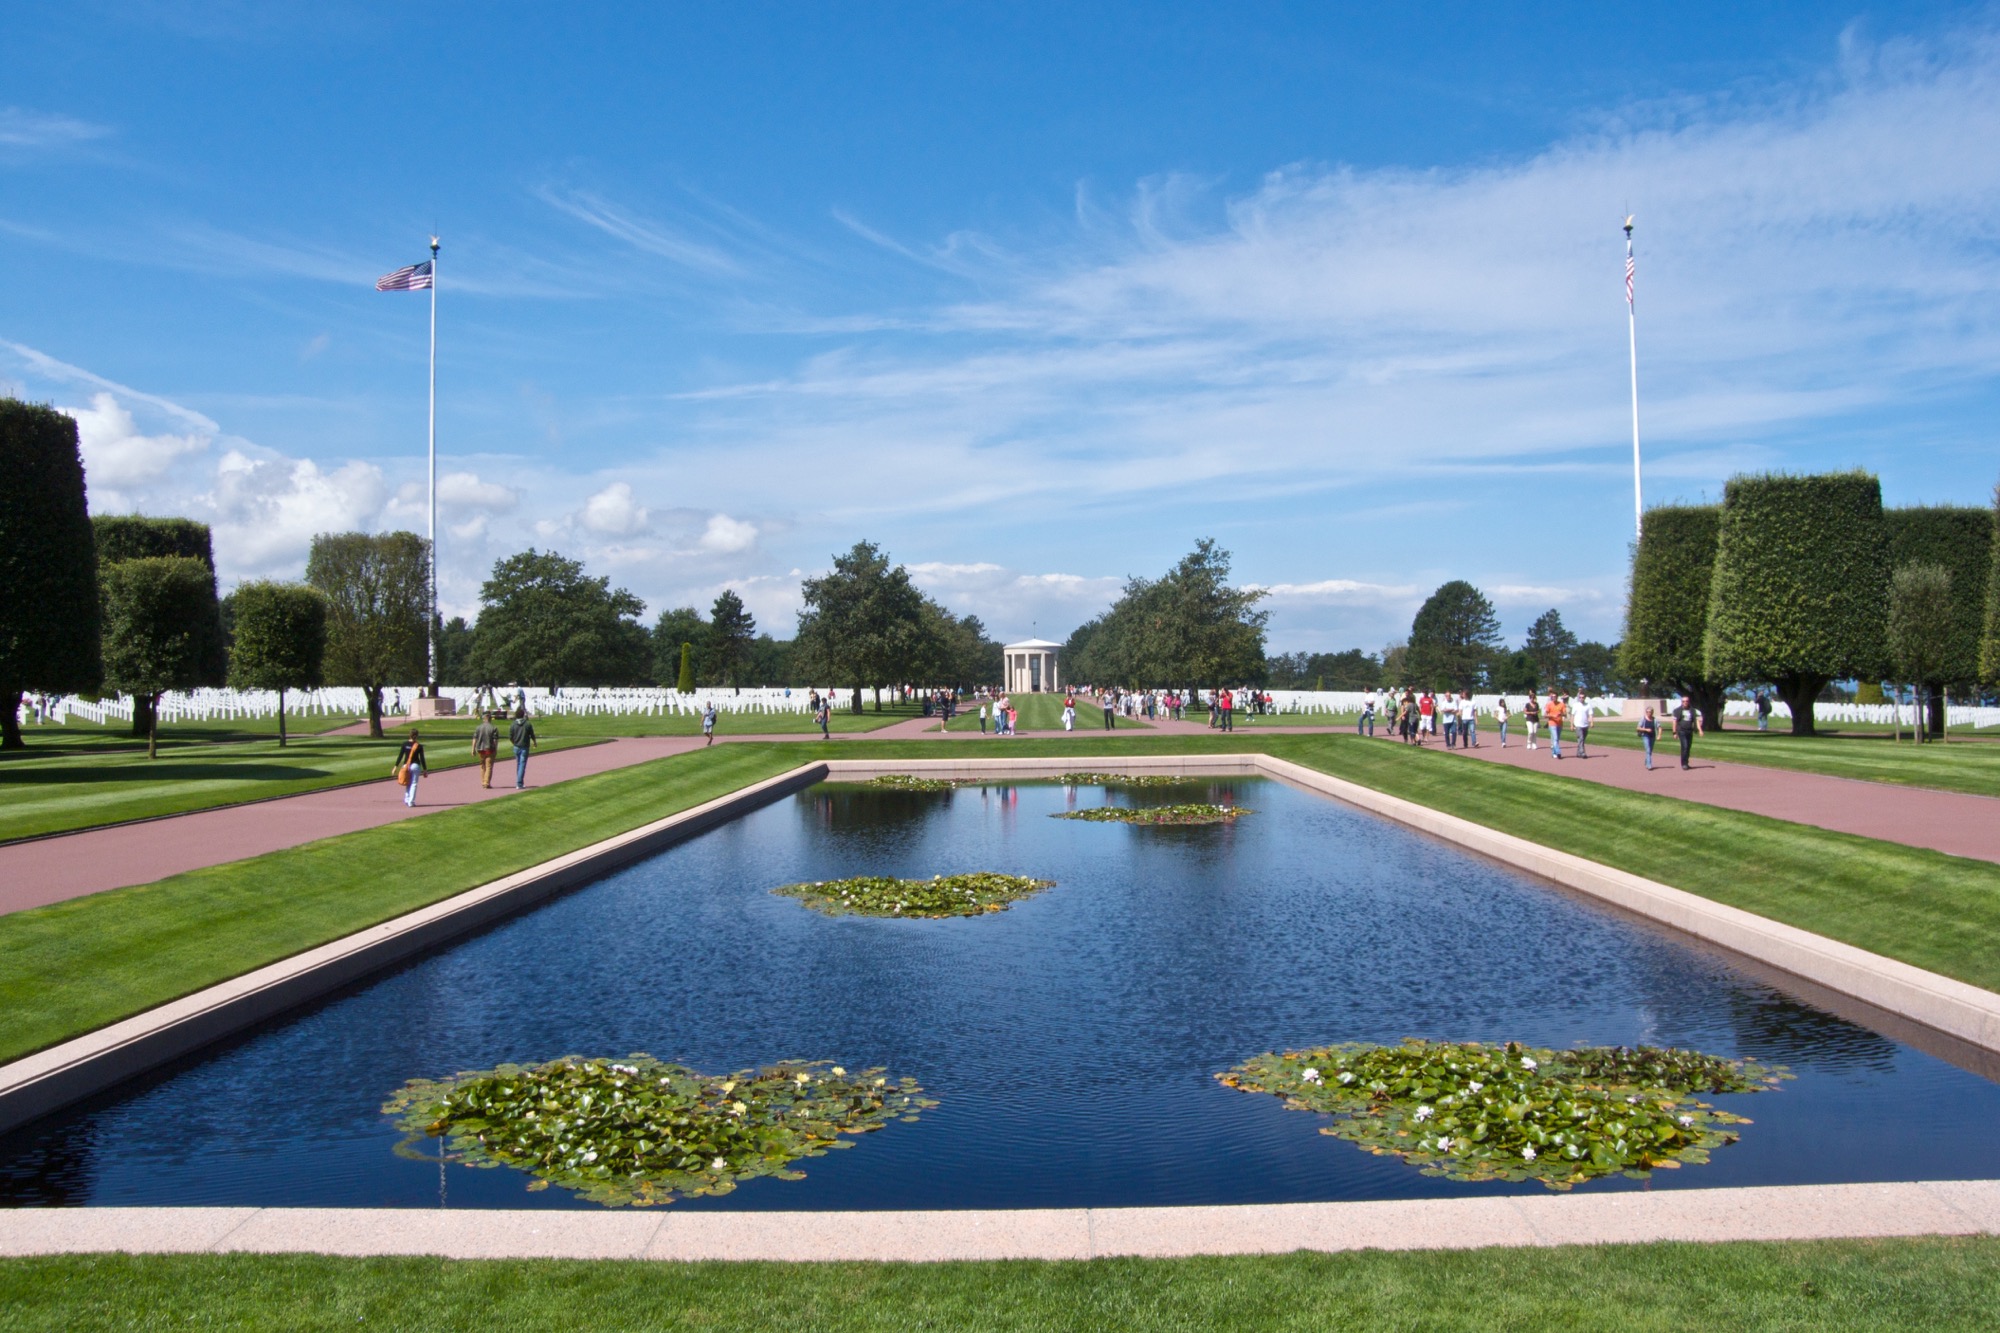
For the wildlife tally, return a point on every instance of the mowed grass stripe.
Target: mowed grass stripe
(1930, 1283)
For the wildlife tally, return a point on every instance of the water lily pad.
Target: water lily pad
(912, 782)
(1191, 813)
(639, 1131)
(1472, 1111)
(941, 895)
(1125, 779)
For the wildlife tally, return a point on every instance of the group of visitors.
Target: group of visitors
(411, 765)
(1416, 716)
(1003, 715)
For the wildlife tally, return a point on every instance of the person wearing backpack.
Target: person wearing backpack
(410, 767)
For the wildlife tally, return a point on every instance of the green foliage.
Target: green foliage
(280, 640)
(136, 537)
(377, 587)
(1453, 636)
(1352, 669)
(1474, 1112)
(1800, 579)
(731, 629)
(49, 614)
(1124, 780)
(1189, 629)
(865, 623)
(1193, 812)
(685, 681)
(972, 894)
(1989, 643)
(642, 1132)
(1550, 645)
(1920, 626)
(543, 621)
(454, 645)
(161, 628)
(1958, 538)
(1666, 618)
(911, 782)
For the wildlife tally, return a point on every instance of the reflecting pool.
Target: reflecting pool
(1072, 1041)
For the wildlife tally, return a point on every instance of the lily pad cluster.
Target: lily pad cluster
(941, 895)
(1191, 813)
(1123, 779)
(639, 1131)
(911, 782)
(1473, 1111)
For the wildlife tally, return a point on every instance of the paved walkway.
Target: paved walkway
(1951, 822)
(1770, 1213)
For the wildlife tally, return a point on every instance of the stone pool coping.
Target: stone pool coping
(1769, 1213)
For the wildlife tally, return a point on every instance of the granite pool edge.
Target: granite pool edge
(1754, 1213)
(48, 1080)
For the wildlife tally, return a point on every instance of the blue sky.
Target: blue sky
(1034, 295)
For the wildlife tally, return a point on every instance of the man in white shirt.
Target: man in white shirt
(1365, 724)
(1581, 709)
(1468, 720)
(1448, 714)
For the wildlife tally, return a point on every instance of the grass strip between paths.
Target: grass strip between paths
(74, 966)
(1929, 1283)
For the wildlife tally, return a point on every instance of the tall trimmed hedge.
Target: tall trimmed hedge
(1800, 584)
(1959, 539)
(48, 563)
(136, 537)
(161, 631)
(1666, 618)
(1989, 647)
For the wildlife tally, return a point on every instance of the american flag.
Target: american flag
(1631, 268)
(412, 278)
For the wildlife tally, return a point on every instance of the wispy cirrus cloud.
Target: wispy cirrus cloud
(21, 128)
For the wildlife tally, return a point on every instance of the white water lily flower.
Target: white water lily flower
(1528, 1153)
(1424, 1113)
(1346, 1077)
(719, 1164)
(1310, 1075)
(1529, 1062)
(739, 1108)
(1475, 1085)
(839, 1072)
(590, 1156)
(881, 1082)
(1444, 1144)
(1686, 1121)
(804, 1079)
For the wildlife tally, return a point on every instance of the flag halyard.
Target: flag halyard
(410, 278)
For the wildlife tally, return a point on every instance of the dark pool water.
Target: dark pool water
(1072, 1041)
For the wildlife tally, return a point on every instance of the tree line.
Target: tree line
(1797, 581)
(130, 604)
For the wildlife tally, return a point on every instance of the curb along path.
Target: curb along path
(1770, 1213)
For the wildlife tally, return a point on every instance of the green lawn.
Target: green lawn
(1930, 1283)
(1043, 712)
(52, 788)
(74, 966)
(1872, 755)
(82, 776)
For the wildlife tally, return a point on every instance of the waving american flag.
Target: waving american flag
(412, 278)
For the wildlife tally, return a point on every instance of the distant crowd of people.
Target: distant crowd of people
(1414, 717)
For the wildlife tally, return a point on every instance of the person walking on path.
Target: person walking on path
(1500, 715)
(1468, 721)
(1531, 717)
(1556, 714)
(982, 717)
(1582, 708)
(485, 743)
(1110, 712)
(410, 767)
(1365, 724)
(1013, 716)
(1763, 711)
(1448, 711)
(521, 735)
(708, 723)
(1426, 716)
(824, 714)
(1649, 732)
(1687, 722)
(1406, 718)
(1228, 703)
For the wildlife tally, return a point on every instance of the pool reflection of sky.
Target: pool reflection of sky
(1072, 1041)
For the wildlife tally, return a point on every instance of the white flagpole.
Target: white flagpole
(430, 619)
(1632, 332)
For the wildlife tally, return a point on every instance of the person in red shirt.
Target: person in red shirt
(1228, 703)
(1426, 715)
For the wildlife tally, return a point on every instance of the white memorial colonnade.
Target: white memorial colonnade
(1030, 666)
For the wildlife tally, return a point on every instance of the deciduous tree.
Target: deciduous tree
(863, 621)
(1919, 626)
(377, 587)
(1959, 540)
(280, 640)
(160, 629)
(122, 537)
(49, 611)
(1801, 577)
(543, 621)
(1550, 644)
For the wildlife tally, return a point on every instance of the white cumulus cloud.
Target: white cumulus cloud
(724, 535)
(118, 457)
(614, 512)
